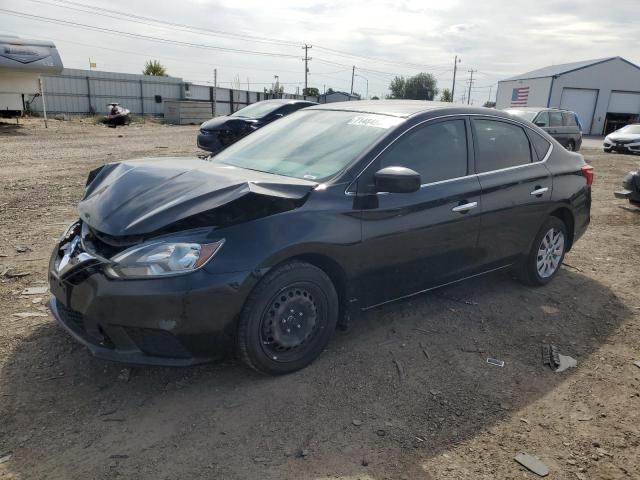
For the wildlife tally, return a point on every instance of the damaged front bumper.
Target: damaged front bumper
(174, 321)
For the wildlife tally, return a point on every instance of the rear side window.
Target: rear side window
(500, 145)
(540, 145)
(555, 119)
(437, 151)
(569, 119)
(542, 120)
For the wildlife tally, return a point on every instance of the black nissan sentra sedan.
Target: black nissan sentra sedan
(296, 228)
(220, 132)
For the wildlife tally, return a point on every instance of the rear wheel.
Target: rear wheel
(607, 150)
(288, 319)
(546, 255)
(571, 146)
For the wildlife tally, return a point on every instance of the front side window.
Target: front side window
(309, 144)
(555, 119)
(500, 145)
(436, 151)
(542, 120)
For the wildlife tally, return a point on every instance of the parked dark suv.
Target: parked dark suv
(220, 132)
(563, 125)
(312, 219)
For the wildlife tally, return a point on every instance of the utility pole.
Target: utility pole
(306, 65)
(455, 69)
(215, 89)
(470, 84)
(353, 74)
(490, 90)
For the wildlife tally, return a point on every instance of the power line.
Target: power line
(140, 36)
(92, 9)
(145, 20)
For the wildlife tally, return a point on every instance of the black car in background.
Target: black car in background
(266, 247)
(220, 132)
(563, 125)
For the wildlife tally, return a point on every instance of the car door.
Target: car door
(415, 241)
(557, 129)
(516, 189)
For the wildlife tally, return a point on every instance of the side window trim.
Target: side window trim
(515, 124)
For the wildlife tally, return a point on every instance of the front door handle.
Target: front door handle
(539, 191)
(464, 208)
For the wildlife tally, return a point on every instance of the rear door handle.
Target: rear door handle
(539, 191)
(464, 208)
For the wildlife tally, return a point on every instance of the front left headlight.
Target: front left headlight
(162, 258)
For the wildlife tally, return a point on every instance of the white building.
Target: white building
(605, 93)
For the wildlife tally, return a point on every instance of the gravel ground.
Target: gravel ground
(405, 393)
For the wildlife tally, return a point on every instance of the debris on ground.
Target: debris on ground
(400, 368)
(124, 375)
(301, 453)
(495, 361)
(35, 291)
(637, 363)
(424, 350)
(532, 463)
(5, 457)
(9, 273)
(356, 422)
(29, 314)
(565, 363)
(550, 356)
(22, 249)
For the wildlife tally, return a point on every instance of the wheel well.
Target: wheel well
(566, 216)
(333, 270)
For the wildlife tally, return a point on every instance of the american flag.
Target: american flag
(520, 96)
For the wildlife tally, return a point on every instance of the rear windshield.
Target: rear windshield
(257, 110)
(309, 144)
(526, 114)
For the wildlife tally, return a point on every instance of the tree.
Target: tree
(375, 98)
(489, 104)
(311, 91)
(155, 68)
(445, 96)
(422, 86)
(330, 90)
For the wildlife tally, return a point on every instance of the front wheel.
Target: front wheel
(288, 319)
(546, 255)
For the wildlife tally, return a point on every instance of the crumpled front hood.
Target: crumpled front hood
(143, 196)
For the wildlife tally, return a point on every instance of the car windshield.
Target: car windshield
(310, 144)
(526, 114)
(257, 110)
(634, 129)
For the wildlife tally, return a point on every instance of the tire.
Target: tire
(275, 344)
(607, 150)
(571, 146)
(541, 263)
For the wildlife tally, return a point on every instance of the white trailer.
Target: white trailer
(22, 62)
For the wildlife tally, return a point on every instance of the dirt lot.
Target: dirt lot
(66, 415)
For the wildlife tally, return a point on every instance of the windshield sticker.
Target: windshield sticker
(377, 121)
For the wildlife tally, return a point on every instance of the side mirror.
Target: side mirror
(397, 180)
(541, 124)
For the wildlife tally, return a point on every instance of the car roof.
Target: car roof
(406, 108)
(286, 101)
(537, 109)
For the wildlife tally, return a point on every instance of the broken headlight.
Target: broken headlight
(162, 258)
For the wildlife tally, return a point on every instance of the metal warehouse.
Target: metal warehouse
(604, 93)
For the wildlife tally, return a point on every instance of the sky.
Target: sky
(251, 41)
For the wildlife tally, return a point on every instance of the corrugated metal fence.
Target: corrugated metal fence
(90, 91)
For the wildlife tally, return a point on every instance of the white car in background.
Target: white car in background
(625, 140)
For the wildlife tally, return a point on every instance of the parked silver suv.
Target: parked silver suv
(563, 125)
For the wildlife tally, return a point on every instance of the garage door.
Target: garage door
(583, 102)
(624, 102)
